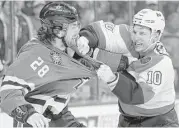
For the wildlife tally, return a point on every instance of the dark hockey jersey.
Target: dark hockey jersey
(42, 75)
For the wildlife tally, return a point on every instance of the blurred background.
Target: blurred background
(19, 22)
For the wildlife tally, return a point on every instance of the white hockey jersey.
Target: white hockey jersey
(149, 90)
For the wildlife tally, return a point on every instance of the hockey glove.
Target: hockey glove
(124, 64)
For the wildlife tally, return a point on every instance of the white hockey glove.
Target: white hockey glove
(82, 44)
(38, 121)
(105, 73)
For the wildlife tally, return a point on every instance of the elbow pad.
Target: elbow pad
(23, 112)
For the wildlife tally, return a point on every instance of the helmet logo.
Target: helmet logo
(58, 7)
(158, 14)
(61, 9)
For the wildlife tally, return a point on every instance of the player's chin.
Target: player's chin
(138, 49)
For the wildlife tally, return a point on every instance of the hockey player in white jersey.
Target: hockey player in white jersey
(146, 89)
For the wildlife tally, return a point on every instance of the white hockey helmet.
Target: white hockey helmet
(149, 18)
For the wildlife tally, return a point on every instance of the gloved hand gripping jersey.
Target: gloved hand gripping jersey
(63, 119)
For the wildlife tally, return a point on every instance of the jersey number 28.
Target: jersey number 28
(39, 63)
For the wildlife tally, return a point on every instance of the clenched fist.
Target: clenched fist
(38, 121)
(82, 44)
(105, 73)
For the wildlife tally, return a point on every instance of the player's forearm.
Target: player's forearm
(11, 99)
(125, 86)
(129, 91)
(14, 104)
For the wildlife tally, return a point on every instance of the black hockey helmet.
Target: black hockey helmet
(58, 14)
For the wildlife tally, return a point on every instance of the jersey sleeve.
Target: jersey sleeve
(15, 86)
(147, 82)
(110, 37)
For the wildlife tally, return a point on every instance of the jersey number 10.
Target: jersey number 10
(154, 77)
(39, 63)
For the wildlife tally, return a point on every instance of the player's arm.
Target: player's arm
(130, 91)
(14, 88)
(109, 37)
(142, 88)
(126, 88)
(13, 102)
(99, 34)
(89, 32)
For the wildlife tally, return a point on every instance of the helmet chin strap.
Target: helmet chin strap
(153, 44)
(150, 46)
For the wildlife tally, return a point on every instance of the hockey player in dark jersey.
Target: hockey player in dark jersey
(37, 86)
(146, 89)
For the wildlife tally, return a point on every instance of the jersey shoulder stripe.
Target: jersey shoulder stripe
(140, 66)
(15, 84)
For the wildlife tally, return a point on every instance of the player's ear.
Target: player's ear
(155, 36)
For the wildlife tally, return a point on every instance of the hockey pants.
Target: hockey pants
(166, 120)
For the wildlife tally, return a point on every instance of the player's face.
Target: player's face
(72, 33)
(141, 37)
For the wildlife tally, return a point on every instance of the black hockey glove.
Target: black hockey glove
(23, 112)
(124, 64)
